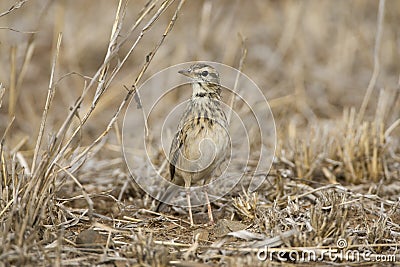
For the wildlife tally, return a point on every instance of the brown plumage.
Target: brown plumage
(201, 141)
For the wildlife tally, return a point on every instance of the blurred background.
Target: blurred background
(317, 56)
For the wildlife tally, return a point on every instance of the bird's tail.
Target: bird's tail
(165, 199)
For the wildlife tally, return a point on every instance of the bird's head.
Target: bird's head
(205, 76)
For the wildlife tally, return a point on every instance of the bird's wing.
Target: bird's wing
(179, 139)
(174, 154)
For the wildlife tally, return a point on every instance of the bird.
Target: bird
(201, 141)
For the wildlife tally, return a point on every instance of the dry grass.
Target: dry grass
(329, 68)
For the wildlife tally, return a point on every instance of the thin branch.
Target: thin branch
(115, 32)
(234, 93)
(149, 58)
(14, 30)
(83, 190)
(62, 130)
(17, 5)
(50, 96)
(109, 127)
(2, 91)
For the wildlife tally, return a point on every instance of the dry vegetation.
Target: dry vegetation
(69, 68)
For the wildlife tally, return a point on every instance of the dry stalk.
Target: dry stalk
(50, 96)
(235, 92)
(115, 32)
(83, 190)
(12, 97)
(375, 72)
(16, 6)
(2, 91)
(246, 205)
(62, 131)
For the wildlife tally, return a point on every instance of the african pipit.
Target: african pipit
(201, 141)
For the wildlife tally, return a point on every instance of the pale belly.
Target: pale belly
(204, 150)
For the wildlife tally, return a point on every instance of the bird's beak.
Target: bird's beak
(187, 73)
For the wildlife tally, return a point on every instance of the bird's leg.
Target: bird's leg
(187, 186)
(210, 215)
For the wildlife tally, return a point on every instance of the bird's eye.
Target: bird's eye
(204, 73)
